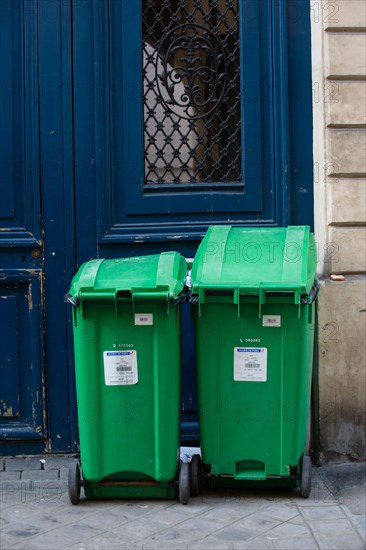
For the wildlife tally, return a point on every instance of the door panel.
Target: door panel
(109, 133)
(19, 179)
(132, 202)
(21, 368)
(21, 363)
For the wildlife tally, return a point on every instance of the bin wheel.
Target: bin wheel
(308, 433)
(184, 483)
(74, 483)
(196, 475)
(305, 485)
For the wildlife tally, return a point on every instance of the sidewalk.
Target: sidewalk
(36, 513)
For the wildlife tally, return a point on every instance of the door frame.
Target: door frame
(58, 217)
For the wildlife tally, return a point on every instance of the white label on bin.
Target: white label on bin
(120, 368)
(271, 320)
(250, 364)
(144, 319)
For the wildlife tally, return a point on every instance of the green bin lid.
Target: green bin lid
(158, 276)
(251, 260)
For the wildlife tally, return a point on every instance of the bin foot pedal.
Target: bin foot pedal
(250, 470)
(129, 489)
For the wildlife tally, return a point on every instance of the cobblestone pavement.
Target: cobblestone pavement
(35, 513)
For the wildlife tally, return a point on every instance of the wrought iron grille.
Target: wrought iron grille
(191, 84)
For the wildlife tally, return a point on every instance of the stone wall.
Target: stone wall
(339, 67)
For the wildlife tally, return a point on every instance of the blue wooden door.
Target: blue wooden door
(186, 121)
(22, 405)
(128, 127)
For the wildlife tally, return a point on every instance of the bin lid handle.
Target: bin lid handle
(308, 299)
(69, 299)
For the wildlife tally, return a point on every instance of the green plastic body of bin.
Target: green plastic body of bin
(127, 365)
(254, 345)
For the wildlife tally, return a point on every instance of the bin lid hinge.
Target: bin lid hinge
(261, 301)
(298, 302)
(237, 300)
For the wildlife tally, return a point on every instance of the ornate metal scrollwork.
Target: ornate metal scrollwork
(193, 80)
(192, 93)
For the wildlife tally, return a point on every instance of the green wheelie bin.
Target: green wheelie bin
(127, 341)
(253, 292)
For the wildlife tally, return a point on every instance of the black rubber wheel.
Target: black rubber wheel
(308, 434)
(184, 483)
(196, 475)
(74, 483)
(305, 485)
